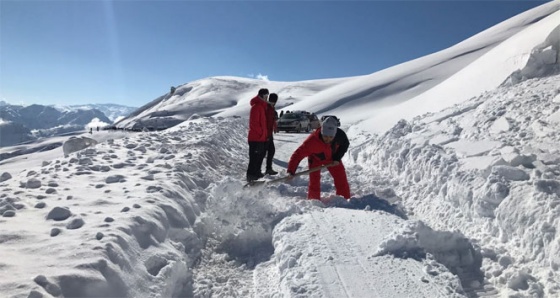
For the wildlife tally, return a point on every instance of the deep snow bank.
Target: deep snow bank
(490, 168)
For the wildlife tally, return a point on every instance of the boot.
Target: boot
(270, 171)
(251, 178)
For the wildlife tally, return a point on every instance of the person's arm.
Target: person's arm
(343, 143)
(257, 123)
(254, 118)
(302, 152)
(264, 124)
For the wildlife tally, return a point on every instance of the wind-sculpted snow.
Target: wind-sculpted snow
(488, 168)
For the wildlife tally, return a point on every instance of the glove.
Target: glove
(290, 177)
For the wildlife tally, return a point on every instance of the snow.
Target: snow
(95, 124)
(458, 197)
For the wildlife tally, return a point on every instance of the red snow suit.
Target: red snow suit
(320, 153)
(257, 120)
(270, 120)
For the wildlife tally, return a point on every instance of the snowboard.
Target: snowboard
(264, 180)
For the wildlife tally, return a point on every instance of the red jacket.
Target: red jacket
(319, 152)
(270, 120)
(257, 120)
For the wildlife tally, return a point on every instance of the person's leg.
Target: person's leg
(314, 188)
(255, 154)
(261, 153)
(340, 180)
(269, 157)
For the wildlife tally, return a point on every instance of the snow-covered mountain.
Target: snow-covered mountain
(481, 63)
(459, 197)
(25, 123)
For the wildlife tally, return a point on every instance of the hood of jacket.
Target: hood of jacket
(258, 101)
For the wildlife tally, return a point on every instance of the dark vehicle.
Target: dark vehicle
(326, 116)
(313, 119)
(294, 122)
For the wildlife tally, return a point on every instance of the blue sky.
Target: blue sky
(130, 52)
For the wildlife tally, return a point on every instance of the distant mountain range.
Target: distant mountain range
(112, 111)
(25, 123)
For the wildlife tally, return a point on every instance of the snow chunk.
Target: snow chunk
(510, 173)
(512, 156)
(500, 125)
(557, 98)
(548, 186)
(114, 179)
(76, 223)
(76, 144)
(443, 139)
(542, 128)
(452, 249)
(5, 176)
(482, 163)
(554, 117)
(33, 183)
(473, 148)
(59, 213)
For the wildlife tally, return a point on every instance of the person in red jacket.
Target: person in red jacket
(257, 135)
(324, 146)
(271, 128)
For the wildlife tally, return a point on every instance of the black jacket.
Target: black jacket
(339, 145)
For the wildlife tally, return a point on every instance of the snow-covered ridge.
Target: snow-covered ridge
(219, 96)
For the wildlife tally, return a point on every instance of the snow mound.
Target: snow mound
(498, 187)
(543, 61)
(76, 144)
(451, 249)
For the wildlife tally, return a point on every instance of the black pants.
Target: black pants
(270, 150)
(256, 156)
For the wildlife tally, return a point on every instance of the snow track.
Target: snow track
(340, 261)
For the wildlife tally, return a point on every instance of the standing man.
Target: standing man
(325, 145)
(271, 117)
(257, 135)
